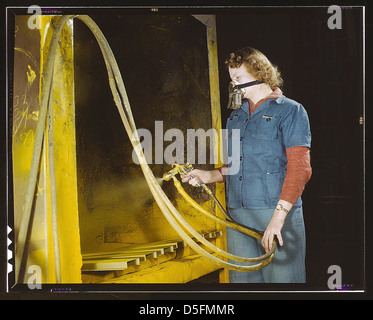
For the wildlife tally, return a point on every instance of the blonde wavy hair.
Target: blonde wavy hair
(257, 64)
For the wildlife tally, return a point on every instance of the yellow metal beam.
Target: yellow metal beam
(210, 22)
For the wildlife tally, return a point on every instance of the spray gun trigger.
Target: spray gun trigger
(199, 182)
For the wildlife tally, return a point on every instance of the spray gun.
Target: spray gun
(181, 169)
(177, 168)
(184, 169)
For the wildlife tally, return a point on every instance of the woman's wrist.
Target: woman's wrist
(216, 176)
(222, 171)
(282, 209)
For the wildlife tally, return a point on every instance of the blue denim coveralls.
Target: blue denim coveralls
(253, 192)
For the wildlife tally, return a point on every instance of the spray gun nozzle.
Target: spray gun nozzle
(168, 175)
(177, 168)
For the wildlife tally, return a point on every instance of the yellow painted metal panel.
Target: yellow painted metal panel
(26, 78)
(31, 50)
(172, 271)
(64, 157)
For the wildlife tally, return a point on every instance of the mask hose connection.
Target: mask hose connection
(237, 91)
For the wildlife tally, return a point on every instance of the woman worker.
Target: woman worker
(274, 167)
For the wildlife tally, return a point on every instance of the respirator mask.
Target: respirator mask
(237, 91)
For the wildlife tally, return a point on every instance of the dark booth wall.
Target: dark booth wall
(164, 65)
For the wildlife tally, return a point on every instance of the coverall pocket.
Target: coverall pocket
(266, 128)
(275, 180)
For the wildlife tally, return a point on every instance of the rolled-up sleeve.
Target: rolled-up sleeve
(295, 127)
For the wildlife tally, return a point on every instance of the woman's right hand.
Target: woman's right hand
(206, 176)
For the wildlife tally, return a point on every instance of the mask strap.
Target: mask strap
(248, 84)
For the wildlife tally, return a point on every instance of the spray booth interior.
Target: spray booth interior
(102, 201)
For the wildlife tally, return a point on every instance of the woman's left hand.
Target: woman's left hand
(274, 229)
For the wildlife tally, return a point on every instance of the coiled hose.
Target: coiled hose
(121, 100)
